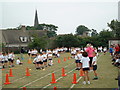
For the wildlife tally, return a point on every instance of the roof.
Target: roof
(14, 36)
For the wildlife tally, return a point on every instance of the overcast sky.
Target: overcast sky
(67, 15)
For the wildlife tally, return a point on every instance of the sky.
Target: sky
(66, 14)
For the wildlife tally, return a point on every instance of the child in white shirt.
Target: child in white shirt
(85, 66)
(50, 59)
(18, 62)
(94, 64)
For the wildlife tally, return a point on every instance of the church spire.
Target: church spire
(36, 22)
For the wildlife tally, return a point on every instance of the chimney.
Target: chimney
(23, 28)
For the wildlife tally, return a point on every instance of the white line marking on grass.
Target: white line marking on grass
(58, 79)
(45, 76)
(75, 84)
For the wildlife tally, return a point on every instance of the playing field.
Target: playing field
(42, 78)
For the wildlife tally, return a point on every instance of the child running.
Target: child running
(85, 66)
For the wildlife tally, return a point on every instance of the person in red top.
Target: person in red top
(117, 48)
(90, 50)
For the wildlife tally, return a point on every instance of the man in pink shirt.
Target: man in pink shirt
(90, 51)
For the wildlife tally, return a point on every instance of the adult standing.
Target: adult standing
(90, 51)
(117, 48)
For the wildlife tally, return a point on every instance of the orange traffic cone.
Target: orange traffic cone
(63, 72)
(58, 60)
(81, 72)
(74, 79)
(55, 88)
(64, 59)
(68, 58)
(27, 72)
(24, 88)
(53, 78)
(29, 61)
(10, 73)
(7, 80)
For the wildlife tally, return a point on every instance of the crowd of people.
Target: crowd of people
(41, 58)
(85, 58)
(44, 58)
(115, 54)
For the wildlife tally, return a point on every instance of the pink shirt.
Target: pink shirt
(90, 51)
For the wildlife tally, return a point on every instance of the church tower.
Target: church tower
(36, 22)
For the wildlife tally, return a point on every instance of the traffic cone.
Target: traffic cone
(64, 59)
(10, 73)
(74, 79)
(24, 88)
(7, 80)
(68, 58)
(58, 60)
(81, 72)
(55, 88)
(27, 72)
(63, 72)
(29, 61)
(53, 78)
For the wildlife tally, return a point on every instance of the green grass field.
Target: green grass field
(42, 78)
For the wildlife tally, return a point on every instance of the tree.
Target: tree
(104, 36)
(68, 40)
(81, 29)
(38, 42)
(50, 28)
(51, 34)
(115, 27)
(94, 32)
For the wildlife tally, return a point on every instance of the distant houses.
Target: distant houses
(19, 38)
(14, 38)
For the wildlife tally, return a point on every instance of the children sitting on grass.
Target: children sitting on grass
(18, 62)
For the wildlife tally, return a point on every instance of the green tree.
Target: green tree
(115, 27)
(68, 40)
(81, 29)
(38, 42)
(104, 36)
(51, 34)
(94, 32)
(50, 28)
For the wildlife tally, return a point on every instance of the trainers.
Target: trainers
(84, 82)
(88, 82)
(77, 69)
(116, 78)
(95, 78)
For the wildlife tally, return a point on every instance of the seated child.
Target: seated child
(19, 62)
(117, 62)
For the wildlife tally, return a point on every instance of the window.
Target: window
(31, 38)
(23, 39)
